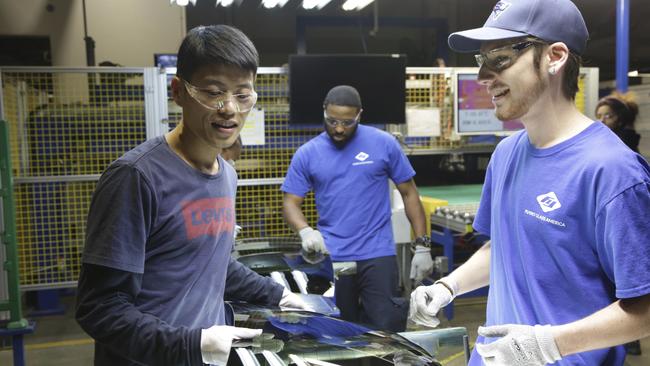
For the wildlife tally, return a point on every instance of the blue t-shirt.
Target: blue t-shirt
(569, 232)
(351, 190)
(154, 214)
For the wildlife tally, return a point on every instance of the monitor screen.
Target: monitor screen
(474, 108)
(165, 59)
(380, 80)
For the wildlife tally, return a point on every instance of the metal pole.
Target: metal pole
(9, 232)
(622, 43)
(90, 42)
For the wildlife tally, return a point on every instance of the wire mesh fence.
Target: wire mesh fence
(68, 125)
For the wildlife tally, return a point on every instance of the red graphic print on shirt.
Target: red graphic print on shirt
(209, 216)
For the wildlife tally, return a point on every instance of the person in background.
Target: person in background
(232, 153)
(348, 167)
(618, 111)
(564, 202)
(156, 264)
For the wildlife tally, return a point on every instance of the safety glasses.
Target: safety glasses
(502, 58)
(215, 99)
(333, 122)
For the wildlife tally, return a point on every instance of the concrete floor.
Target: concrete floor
(58, 340)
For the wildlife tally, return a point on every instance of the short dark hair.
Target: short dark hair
(623, 105)
(571, 69)
(343, 95)
(215, 45)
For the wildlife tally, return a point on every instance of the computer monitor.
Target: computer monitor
(380, 80)
(165, 59)
(474, 111)
(168, 62)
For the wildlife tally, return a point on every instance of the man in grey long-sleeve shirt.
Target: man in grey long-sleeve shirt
(157, 264)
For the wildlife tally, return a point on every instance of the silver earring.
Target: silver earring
(552, 71)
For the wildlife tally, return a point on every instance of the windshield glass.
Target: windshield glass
(319, 337)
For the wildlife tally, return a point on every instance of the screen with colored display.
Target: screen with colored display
(475, 111)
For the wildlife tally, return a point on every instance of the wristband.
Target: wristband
(423, 240)
(451, 290)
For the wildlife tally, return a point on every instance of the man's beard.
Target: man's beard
(518, 107)
(341, 144)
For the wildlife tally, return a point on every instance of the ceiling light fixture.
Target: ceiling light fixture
(182, 2)
(318, 4)
(356, 4)
(273, 3)
(224, 3)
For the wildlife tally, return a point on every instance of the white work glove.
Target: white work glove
(421, 264)
(293, 301)
(312, 240)
(520, 345)
(236, 231)
(217, 340)
(426, 301)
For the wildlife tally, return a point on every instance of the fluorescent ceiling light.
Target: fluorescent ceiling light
(182, 2)
(356, 4)
(224, 3)
(310, 4)
(273, 3)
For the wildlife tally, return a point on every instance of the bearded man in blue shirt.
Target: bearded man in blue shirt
(348, 167)
(565, 204)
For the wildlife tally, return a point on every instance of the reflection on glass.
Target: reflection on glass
(319, 337)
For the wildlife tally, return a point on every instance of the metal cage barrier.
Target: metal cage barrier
(68, 124)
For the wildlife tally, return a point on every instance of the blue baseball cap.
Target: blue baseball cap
(549, 20)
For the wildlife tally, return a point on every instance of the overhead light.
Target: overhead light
(356, 4)
(634, 73)
(318, 4)
(273, 3)
(182, 2)
(224, 3)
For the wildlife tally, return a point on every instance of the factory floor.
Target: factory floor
(58, 340)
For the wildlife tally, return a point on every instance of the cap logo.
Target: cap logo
(499, 8)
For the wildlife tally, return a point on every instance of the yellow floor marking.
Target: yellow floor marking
(455, 355)
(68, 343)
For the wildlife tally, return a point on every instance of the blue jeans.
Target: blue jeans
(371, 296)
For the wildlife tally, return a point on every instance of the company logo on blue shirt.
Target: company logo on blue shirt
(361, 156)
(548, 202)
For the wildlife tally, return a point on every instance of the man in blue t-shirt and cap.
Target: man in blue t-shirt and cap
(565, 204)
(348, 167)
